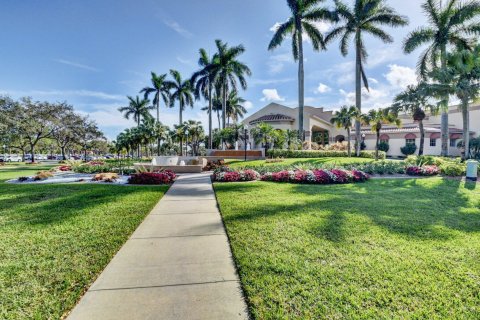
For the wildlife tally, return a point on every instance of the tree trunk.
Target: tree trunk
(301, 86)
(349, 143)
(444, 125)
(224, 104)
(422, 137)
(466, 131)
(158, 124)
(62, 149)
(376, 145)
(32, 151)
(358, 96)
(181, 138)
(210, 143)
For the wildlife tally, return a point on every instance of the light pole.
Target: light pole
(245, 128)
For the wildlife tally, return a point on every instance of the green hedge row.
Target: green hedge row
(320, 154)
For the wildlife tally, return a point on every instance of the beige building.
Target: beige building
(318, 128)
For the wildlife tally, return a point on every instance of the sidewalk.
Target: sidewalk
(176, 265)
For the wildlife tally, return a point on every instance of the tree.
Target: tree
(227, 71)
(460, 77)
(64, 135)
(343, 119)
(263, 133)
(366, 16)
(415, 101)
(195, 135)
(454, 24)
(304, 15)
(138, 109)
(203, 82)
(376, 119)
(216, 107)
(182, 92)
(291, 137)
(161, 90)
(86, 132)
(235, 108)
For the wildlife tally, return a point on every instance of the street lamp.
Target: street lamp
(245, 128)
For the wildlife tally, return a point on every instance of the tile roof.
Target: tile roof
(272, 118)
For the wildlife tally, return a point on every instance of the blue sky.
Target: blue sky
(93, 53)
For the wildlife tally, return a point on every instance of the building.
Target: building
(318, 128)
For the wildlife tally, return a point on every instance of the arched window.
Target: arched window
(410, 138)
(433, 139)
(384, 138)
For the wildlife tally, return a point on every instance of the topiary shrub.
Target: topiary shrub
(409, 149)
(383, 146)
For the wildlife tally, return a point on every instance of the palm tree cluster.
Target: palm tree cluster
(217, 81)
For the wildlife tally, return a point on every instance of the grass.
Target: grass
(298, 161)
(385, 249)
(56, 239)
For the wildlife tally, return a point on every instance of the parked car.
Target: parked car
(40, 157)
(13, 158)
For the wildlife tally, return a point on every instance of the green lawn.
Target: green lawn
(385, 249)
(297, 161)
(56, 239)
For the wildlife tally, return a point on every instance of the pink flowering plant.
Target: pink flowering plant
(422, 170)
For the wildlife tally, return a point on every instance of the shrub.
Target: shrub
(319, 154)
(409, 149)
(153, 178)
(422, 171)
(277, 160)
(105, 177)
(22, 179)
(65, 168)
(316, 176)
(228, 175)
(212, 165)
(383, 146)
(452, 169)
(42, 175)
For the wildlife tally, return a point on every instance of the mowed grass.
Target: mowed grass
(385, 249)
(298, 161)
(56, 239)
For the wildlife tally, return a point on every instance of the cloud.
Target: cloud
(322, 88)
(175, 26)
(248, 105)
(373, 99)
(255, 82)
(64, 94)
(373, 80)
(76, 65)
(184, 61)
(322, 26)
(275, 27)
(277, 62)
(401, 77)
(271, 95)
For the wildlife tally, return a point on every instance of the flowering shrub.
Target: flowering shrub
(65, 168)
(163, 177)
(212, 165)
(316, 176)
(227, 175)
(422, 171)
(95, 163)
(249, 175)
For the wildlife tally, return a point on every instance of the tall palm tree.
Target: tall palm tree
(183, 93)
(195, 134)
(203, 82)
(137, 108)
(235, 108)
(161, 90)
(454, 24)
(376, 119)
(414, 101)
(365, 17)
(344, 119)
(228, 70)
(216, 107)
(304, 15)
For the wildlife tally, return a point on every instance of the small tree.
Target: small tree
(377, 118)
(344, 119)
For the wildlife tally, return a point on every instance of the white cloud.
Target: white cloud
(255, 82)
(401, 77)
(275, 27)
(373, 99)
(248, 105)
(65, 94)
(322, 88)
(76, 65)
(322, 26)
(184, 61)
(271, 95)
(277, 62)
(175, 26)
(373, 80)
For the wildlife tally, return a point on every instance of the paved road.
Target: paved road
(176, 265)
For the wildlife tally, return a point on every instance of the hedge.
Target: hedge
(320, 154)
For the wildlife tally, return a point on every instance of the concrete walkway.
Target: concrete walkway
(176, 265)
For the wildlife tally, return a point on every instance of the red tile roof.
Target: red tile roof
(272, 118)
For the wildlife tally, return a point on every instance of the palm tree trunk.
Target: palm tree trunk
(218, 117)
(466, 131)
(224, 104)
(422, 137)
(376, 145)
(348, 143)
(158, 123)
(444, 118)
(181, 138)
(210, 143)
(358, 95)
(301, 86)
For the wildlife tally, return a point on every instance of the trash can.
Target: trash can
(472, 170)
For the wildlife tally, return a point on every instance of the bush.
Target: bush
(423, 171)
(22, 179)
(65, 168)
(319, 154)
(316, 176)
(42, 175)
(105, 177)
(224, 174)
(383, 146)
(153, 178)
(409, 149)
(452, 169)
(212, 165)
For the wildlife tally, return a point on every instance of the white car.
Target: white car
(13, 158)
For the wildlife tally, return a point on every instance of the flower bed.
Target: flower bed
(423, 170)
(153, 178)
(226, 175)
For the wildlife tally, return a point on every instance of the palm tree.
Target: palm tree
(376, 119)
(181, 92)
(366, 16)
(343, 119)
(138, 109)
(161, 90)
(452, 25)
(235, 108)
(227, 71)
(304, 15)
(195, 134)
(414, 101)
(263, 133)
(461, 78)
(203, 81)
(291, 137)
(216, 107)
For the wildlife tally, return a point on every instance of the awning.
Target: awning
(384, 137)
(410, 136)
(455, 136)
(435, 135)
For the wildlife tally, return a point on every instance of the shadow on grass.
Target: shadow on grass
(430, 209)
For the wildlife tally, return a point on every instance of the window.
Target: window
(433, 142)
(410, 141)
(453, 142)
(384, 140)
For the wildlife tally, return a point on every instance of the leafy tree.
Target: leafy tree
(195, 135)
(304, 15)
(263, 133)
(344, 119)
(227, 71)
(365, 17)
(376, 119)
(415, 101)
(291, 137)
(454, 24)
(64, 135)
(86, 133)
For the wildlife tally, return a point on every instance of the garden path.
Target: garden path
(176, 265)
